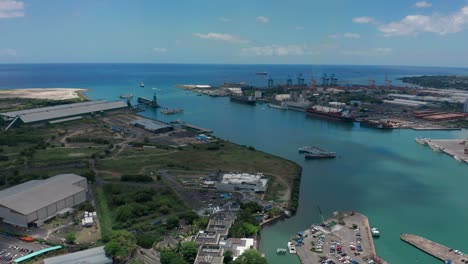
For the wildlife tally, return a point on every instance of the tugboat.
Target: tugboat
(315, 152)
(292, 248)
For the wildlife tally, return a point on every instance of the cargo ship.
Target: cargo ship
(243, 99)
(377, 124)
(261, 73)
(297, 106)
(330, 113)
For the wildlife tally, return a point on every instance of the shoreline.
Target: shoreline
(53, 94)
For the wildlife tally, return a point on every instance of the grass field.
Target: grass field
(105, 218)
(223, 156)
(64, 154)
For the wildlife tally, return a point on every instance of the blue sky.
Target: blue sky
(397, 32)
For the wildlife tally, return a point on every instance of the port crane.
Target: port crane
(313, 82)
(289, 81)
(333, 80)
(324, 79)
(388, 82)
(371, 83)
(270, 82)
(300, 79)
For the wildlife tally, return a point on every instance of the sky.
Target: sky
(358, 32)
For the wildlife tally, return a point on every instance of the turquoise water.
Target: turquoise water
(401, 186)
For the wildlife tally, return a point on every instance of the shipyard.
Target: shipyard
(385, 106)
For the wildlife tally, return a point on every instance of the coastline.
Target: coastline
(54, 94)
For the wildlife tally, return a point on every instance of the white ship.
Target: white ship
(278, 106)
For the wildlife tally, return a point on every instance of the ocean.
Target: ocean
(401, 186)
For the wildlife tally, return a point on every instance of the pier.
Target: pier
(434, 249)
(192, 127)
(452, 147)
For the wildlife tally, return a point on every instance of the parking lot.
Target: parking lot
(12, 248)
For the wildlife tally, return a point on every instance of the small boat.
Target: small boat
(375, 232)
(126, 96)
(292, 248)
(281, 251)
(314, 152)
(422, 141)
(142, 84)
(280, 106)
(168, 111)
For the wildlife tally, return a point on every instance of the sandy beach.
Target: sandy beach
(43, 93)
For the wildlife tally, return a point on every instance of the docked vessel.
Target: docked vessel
(278, 106)
(243, 99)
(314, 152)
(380, 124)
(126, 96)
(292, 248)
(422, 141)
(169, 111)
(375, 232)
(297, 106)
(330, 113)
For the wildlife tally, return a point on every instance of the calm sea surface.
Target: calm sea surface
(401, 186)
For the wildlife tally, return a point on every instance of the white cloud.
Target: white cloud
(160, 50)
(263, 19)
(435, 23)
(422, 4)
(351, 35)
(363, 20)
(8, 53)
(370, 52)
(224, 19)
(221, 37)
(345, 35)
(11, 8)
(280, 50)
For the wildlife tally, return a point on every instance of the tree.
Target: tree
(250, 256)
(121, 245)
(146, 240)
(171, 257)
(172, 222)
(189, 251)
(227, 257)
(70, 238)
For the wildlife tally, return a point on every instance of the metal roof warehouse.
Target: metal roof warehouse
(62, 111)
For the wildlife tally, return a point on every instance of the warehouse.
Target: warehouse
(243, 182)
(33, 202)
(152, 125)
(90, 256)
(61, 112)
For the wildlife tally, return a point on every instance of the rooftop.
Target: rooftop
(149, 124)
(89, 256)
(62, 111)
(30, 196)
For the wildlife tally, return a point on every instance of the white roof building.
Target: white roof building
(243, 182)
(33, 202)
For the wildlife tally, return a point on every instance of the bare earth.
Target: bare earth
(42, 93)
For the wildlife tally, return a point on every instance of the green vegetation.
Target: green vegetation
(186, 253)
(439, 81)
(250, 256)
(121, 245)
(104, 213)
(169, 256)
(136, 178)
(246, 225)
(70, 238)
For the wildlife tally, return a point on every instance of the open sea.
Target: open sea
(403, 187)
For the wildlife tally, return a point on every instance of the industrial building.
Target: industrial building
(34, 202)
(63, 112)
(90, 256)
(152, 125)
(210, 254)
(404, 102)
(242, 182)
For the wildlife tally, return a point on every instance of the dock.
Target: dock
(192, 127)
(434, 249)
(452, 147)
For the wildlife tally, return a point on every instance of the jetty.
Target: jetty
(192, 127)
(453, 147)
(434, 249)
